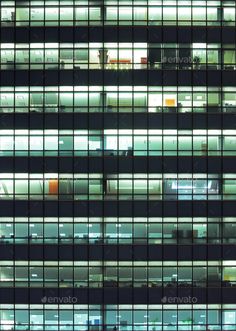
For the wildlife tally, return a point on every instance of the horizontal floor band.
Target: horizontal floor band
(123, 78)
(115, 296)
(96, 252)
(182, 121)
(183, 34)
(122, 164)
(111, 208)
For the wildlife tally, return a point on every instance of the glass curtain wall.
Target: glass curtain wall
(168, 317)
(122, 186)
(113, 12)
(113, 99)
(117, 56)
(117, 142)
(117, 230)
(100, 274)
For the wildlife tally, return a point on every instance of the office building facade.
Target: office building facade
(117, 169)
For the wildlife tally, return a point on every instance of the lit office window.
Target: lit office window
(122, 274)
(81, 13)
(117, 187)
(114, 142)
(117, 230)
(135, 316)
(117, 56)
(122, 99)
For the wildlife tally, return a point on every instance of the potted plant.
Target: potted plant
(189, 321)
(154, 323)
(196, 61)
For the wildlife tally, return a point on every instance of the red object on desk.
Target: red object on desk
(125, 61)
(53, 186)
